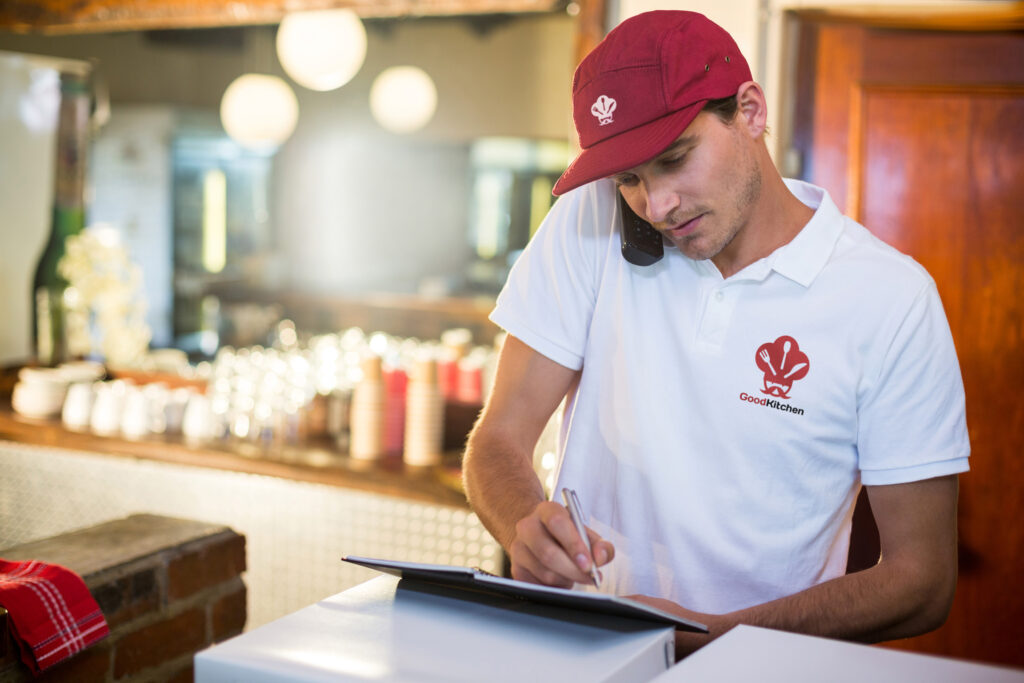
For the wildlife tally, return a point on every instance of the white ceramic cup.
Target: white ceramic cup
(174, 409)
(39, 392)
(105, 419)
(82, 371)
(197, 421)
(135, 414)
(157, 395)
(78, 406)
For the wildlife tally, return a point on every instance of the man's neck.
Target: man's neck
(775, 219)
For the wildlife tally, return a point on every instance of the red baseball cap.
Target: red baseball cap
(639, 89)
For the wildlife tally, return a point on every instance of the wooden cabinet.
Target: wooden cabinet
(919, 135)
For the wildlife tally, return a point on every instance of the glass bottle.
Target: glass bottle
(49, 336)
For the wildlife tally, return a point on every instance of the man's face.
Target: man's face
(700, 191)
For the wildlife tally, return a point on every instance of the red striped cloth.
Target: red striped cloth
(52, 614)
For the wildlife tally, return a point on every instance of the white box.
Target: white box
(384, 630)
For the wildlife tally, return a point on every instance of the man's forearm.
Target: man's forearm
(881, 603)
(908, 593)
(498, 464)
(500, 482)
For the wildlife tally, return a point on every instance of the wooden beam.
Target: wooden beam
(591, 26)
(992, 16)
(100, 16)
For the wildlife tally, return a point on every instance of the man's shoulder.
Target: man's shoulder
(848, 251)
(595, 200)
(876, 260)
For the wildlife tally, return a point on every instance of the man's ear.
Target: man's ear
(752, 108)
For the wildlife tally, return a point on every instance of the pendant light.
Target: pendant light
(321, 49)
(403, 99)
(259, 111)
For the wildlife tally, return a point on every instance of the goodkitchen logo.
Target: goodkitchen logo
(782, 363)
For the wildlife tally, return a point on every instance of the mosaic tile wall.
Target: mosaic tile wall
(295, 532)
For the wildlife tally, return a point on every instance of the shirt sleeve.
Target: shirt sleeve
(911, 419)
(548, 299)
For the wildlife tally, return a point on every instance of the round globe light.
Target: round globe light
(259, 111)
(321, 49)
(403, 99)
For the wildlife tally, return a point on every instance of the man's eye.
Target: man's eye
(627, 180)
(672, 162)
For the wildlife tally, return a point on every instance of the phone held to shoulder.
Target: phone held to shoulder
(641, 243)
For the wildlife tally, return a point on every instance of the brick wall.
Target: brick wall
(167, 587)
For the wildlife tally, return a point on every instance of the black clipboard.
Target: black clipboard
(479, 580)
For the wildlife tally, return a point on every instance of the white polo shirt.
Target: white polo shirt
(722, 427)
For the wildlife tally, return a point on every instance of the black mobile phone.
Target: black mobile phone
(641, 243)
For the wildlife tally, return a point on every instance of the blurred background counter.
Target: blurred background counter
(300, 506)
(284, 478)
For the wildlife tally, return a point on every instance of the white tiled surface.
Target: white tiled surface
(295, 532)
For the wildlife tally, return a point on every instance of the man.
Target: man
(725, 404)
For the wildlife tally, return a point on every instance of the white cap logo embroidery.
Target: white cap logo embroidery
(602, 108)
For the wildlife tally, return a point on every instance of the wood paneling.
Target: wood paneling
(919, 136)
(937, 17)
(95, 16)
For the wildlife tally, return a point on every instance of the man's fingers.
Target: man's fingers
(604, 551)
(547, 548)
(526, 566)
(554, 563)
(520, 573)
(560, 525)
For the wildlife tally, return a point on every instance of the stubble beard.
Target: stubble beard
(736, 220)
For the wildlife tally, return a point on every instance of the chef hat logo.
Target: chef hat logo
(782, 363)
(603, 108)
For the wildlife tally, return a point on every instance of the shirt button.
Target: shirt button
(719, 295)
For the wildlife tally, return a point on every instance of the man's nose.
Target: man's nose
(661, 201)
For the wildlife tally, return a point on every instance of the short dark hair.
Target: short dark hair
(724, 108)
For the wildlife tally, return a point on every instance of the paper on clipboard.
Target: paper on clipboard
(476, 579)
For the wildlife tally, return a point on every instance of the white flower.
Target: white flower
(105, 287)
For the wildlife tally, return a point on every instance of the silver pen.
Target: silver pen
(572, 502)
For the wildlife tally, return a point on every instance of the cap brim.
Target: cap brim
(627, 149)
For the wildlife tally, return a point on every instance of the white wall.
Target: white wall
(738, 17)
(28, 116)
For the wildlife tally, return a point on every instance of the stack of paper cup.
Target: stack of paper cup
(455, 343)
(424, 415)
(447, 371)
(469, 387)
(366, 417)
(396, 382)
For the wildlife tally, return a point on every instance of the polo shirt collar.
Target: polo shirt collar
(806, 254)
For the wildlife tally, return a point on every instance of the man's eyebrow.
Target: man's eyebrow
(685, 141)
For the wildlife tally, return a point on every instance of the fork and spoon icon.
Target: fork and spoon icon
(786, 347)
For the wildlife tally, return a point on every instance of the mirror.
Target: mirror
(344, 207)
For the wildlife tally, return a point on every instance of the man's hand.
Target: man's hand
(547, 548)
(687, 642)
